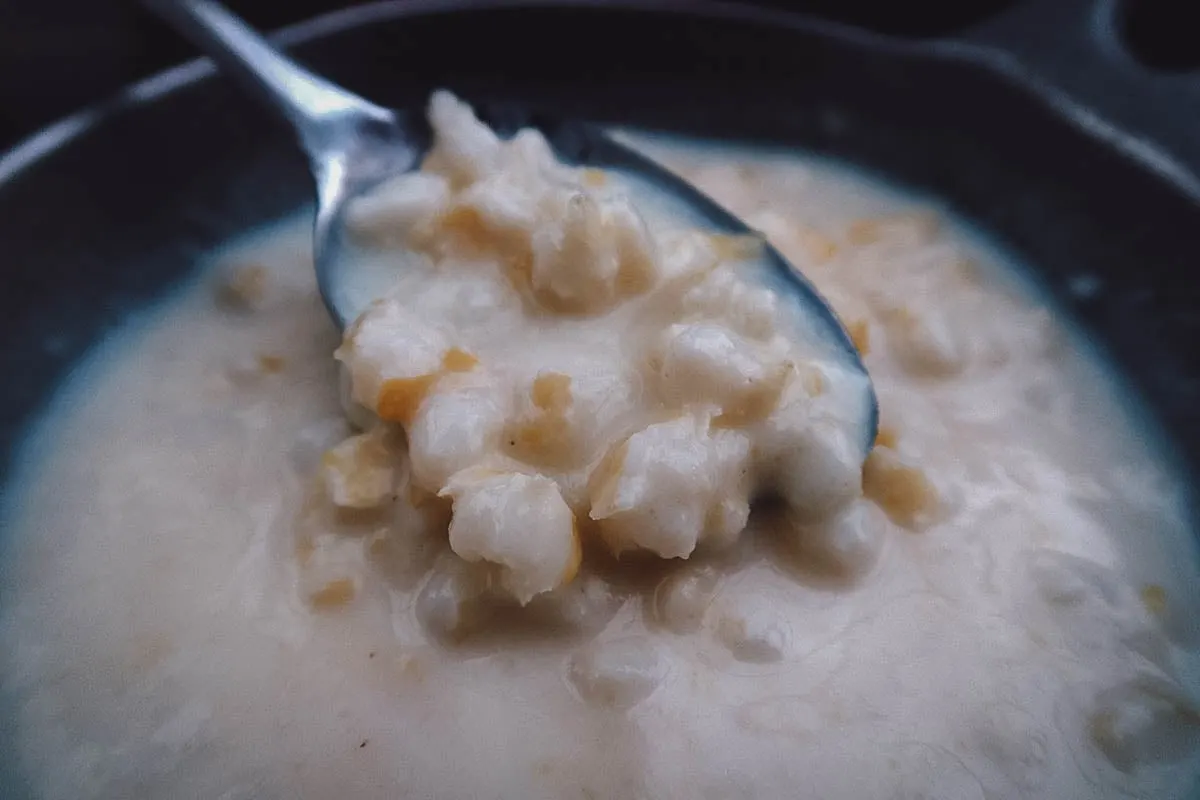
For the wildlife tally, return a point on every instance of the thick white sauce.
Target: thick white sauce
(183, 615)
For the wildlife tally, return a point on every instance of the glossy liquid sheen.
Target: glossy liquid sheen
(1035, 640)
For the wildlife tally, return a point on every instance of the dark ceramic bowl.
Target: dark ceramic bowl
(1036, 127)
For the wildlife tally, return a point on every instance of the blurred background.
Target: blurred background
(58, 55)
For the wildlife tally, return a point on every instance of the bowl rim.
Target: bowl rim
(963, 50)
(43, 142)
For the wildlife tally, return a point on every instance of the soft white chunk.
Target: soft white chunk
(389, 341)
(529, 153)
(457, 426)
(754, 632)
(682, 598)
(664, 484)
(465, 149)
(575, 260)
(617, 674)
(360, 472)
(686, 258)
(517, 521)
(848, 544)
(456, 600)
(724, 297)
(811, 459)
(708, 362)
(388, 215)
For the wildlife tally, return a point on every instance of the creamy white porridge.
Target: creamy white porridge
(222, 585)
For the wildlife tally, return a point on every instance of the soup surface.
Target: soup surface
(1012, 611)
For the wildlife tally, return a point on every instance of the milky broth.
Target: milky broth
(164, 632)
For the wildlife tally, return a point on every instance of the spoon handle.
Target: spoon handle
(319, 111)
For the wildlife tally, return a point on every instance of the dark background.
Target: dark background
(58, 55)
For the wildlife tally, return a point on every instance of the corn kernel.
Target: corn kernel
(860, 334)
(551, 391)
(886, 437)
(871, 231)
(813, 381)
(468, 228)
(595, 178)
(335, 594)
(1154, 598)
(544, 440)
(270, 364)
(820, 248)
(458, 360)
(737, 247)
(901, 490)
(576, 554)
(399, 398)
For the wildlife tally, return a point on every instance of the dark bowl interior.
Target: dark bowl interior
(111, 219)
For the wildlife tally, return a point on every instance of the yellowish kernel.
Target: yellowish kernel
(335, 594)
(458, 360)
(1154, 598)
(379, 544)
(820, 248)
(519, 268)
(635, 273)
(545, 440)
(860, 334)
(560, 304)
(594, 178)
(864, 231)
(737, 247)
(886, 437)
(900, 490)
(576, 555)
(551, 391)
(400, 398)
(468, 227)
(244, 286)
(871, 231)
(813, 381)
(271, 364)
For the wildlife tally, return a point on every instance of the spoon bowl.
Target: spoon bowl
(354, 146)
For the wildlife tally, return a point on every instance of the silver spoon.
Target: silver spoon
(353, 146)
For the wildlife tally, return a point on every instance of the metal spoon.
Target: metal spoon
(353, 146)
